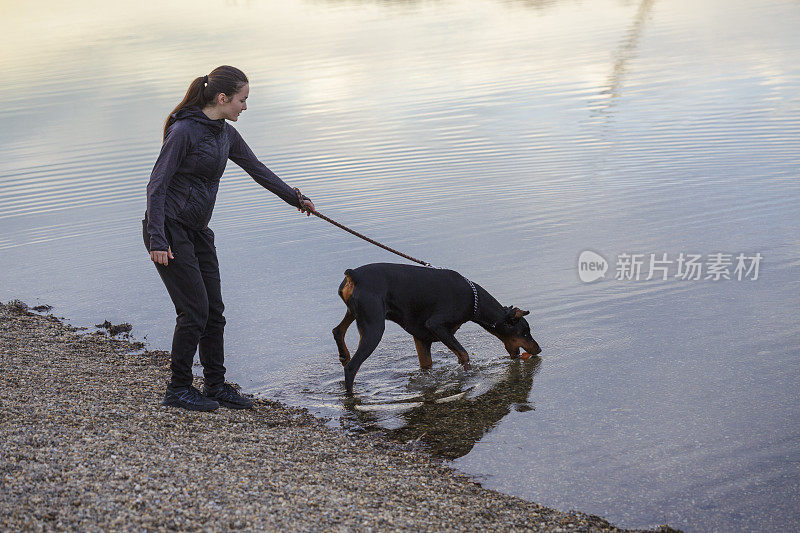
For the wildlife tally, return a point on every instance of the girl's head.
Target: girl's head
(224, 89)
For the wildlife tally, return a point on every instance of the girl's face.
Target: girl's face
(231, 108)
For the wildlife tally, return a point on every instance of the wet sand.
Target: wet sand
(85, 445)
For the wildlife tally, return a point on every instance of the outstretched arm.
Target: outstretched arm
(242, 155)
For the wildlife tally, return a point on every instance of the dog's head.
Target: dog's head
(515, 332)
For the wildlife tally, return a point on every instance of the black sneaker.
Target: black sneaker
(227, 396)
(188, 398)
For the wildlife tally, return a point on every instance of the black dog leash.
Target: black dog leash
(387, 248)
(354, 232)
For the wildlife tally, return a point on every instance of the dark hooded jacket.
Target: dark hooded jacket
(185, 179)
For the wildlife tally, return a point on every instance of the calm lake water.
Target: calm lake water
(498, 138)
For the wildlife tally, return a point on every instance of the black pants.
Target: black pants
(193, 282)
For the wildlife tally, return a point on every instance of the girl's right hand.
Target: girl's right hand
(162, 257)
(308, 207)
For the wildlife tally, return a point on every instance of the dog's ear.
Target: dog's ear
(510, 314)
(513, 314)
(519, 313)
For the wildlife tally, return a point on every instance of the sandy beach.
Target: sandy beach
(87, 446)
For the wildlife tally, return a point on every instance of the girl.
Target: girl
(180, 199)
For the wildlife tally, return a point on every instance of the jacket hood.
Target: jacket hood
(195, 114)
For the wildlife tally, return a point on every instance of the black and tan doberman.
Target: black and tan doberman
(429, 303)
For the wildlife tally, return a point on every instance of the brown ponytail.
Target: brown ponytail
(204, 89)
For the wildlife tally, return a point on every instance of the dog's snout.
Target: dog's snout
(534, 348)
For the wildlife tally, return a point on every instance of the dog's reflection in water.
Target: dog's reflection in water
(449, 421)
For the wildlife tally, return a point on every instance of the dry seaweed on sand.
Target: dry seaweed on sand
(116, 329)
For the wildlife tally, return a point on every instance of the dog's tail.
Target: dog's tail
(347, 286)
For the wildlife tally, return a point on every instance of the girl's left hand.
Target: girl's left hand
(308, 207)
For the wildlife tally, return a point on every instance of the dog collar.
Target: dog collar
(475, 305)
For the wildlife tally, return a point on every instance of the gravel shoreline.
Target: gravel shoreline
(85, 445)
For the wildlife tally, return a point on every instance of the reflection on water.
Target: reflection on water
(444, 408)
(497, 138)
(623, 56)
(451, 419)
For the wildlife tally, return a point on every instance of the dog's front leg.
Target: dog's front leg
(423, 352)
(444, 334)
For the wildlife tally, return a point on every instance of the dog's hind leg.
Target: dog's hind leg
(339, 333)
(346, 290)
(371, 321)
(423, 352)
